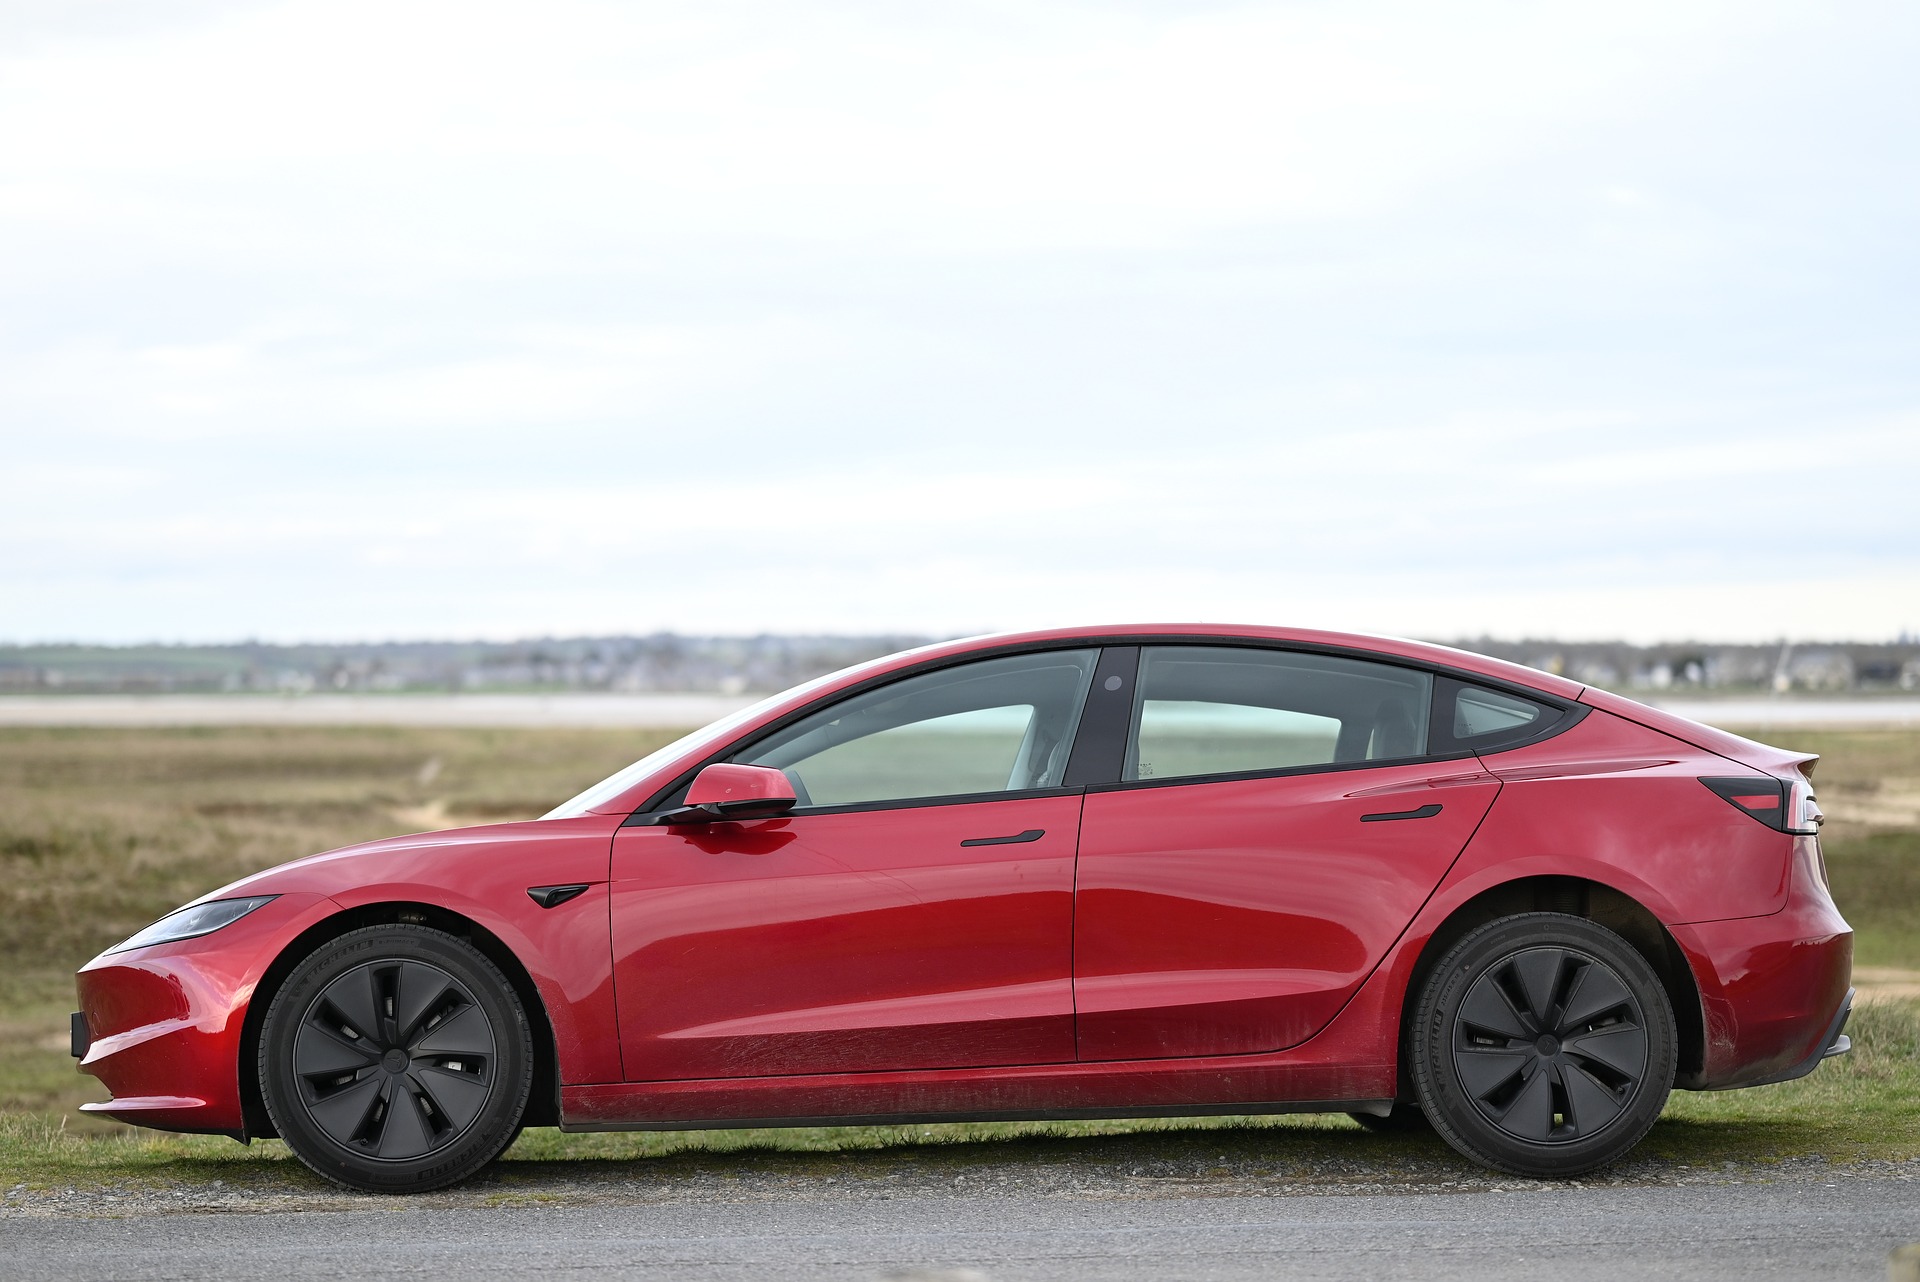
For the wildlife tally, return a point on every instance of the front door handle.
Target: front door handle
(1031, 834)
(1427, 811)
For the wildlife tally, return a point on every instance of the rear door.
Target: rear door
(1275, 827)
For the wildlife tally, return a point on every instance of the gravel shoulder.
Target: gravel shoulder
(1145, 1167)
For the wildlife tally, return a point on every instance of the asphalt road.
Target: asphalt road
(1740, 1230)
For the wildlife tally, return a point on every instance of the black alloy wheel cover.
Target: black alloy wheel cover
(1550, 1045)
(394, 1059)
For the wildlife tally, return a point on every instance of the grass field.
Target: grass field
(101, 831)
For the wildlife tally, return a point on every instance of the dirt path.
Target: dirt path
(1886, 983)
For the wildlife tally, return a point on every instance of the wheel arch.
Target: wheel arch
(1577, 897)
(543, 1103)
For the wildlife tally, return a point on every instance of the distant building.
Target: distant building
(735, 665)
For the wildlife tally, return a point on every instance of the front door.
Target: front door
(914, 911)
(1273, 833)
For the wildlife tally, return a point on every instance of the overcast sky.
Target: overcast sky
(343, 320)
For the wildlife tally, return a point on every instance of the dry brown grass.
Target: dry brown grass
(101, 831)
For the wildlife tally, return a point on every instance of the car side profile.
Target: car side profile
(1123, 871)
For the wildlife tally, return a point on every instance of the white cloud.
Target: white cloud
(356, 319)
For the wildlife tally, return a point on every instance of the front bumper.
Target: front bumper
(162, 1027)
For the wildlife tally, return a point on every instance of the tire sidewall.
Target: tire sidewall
(1430, 1048)
(499, 1118)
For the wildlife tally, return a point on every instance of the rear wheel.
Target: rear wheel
(1543, 1045)
(396, 1059)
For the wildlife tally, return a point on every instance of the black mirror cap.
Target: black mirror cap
(720, 811)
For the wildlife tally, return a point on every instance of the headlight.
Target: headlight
(201, 919)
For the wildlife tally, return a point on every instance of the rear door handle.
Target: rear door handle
(1427, 811)
(1031, 834)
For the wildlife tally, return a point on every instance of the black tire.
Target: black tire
(1542, 1045)
(1405, 1118)
(395, 1059)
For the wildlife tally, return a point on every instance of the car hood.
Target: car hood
(429, 855)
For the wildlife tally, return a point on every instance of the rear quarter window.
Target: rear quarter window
(1473, 718)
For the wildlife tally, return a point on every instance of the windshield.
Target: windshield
(686, 745)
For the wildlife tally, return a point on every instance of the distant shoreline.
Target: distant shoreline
(663, 711)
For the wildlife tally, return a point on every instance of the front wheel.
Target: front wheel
(395, 1059)
(1542, 1045)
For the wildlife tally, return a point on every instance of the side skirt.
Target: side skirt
(1376, 1107)
(1167, 1088)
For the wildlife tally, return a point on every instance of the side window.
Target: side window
(1205, 710)
(996, 725)
(1475, 719)
(1480, 712)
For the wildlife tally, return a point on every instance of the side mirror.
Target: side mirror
(723, 791)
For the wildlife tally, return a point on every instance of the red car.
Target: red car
(1113, 872)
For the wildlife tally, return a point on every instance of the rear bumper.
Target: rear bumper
(163, 1027)
(1774, 990)
(1835, 1043)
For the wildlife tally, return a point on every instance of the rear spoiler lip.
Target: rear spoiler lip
(1779, 762)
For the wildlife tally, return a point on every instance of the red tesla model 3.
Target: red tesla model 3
(1112, 872)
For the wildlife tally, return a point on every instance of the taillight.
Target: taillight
(1804, 815)
(1759, 796)
(1779, 804)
